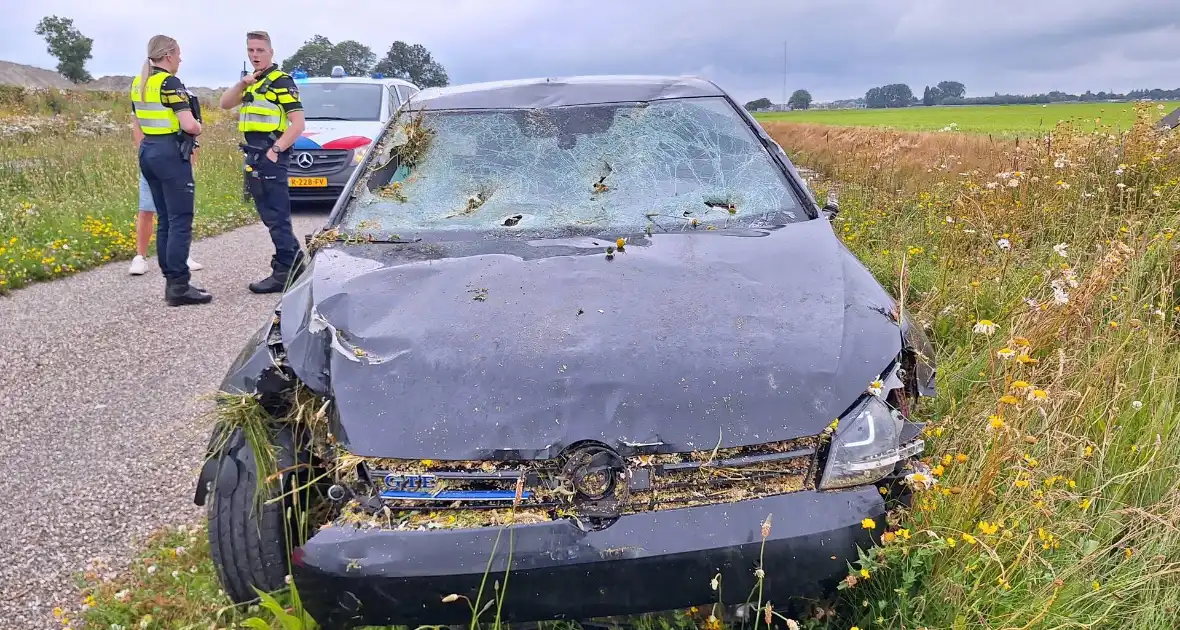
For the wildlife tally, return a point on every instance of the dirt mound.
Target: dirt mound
(30, 76)
(112, 83)
(33, 77)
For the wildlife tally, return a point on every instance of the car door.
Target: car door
(404, 93)
(394, 102)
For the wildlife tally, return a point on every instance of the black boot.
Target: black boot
(182, 294)
(274, 283)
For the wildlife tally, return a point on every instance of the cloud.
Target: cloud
(833, 48)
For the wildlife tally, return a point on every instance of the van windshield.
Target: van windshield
(341, 101)
(668, 165)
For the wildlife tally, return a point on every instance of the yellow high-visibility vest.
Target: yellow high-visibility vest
(260, 110)
(155, 118)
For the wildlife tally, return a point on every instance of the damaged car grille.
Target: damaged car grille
(589, 484)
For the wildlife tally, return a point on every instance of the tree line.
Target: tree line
(954, 93)
(316, 56)
(413, 63)
(800, 99)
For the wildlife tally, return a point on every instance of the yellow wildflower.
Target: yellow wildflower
(988, 528)
(1009, 399)
(961, 458)
(868, 523)
(968, 538)
(995, 421)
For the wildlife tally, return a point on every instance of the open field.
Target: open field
(1000, 120)
(1048, 277)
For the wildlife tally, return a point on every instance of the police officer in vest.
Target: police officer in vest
(271, 118)
(162, 110)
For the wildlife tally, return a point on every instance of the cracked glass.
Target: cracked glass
(668, 165)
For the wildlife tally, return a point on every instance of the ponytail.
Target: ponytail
(143, 77)
(159, 46)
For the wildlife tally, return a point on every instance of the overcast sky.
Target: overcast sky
(834, 48)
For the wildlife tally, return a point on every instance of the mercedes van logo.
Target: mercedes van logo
(304, 160)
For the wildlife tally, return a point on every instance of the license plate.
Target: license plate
(306, 182)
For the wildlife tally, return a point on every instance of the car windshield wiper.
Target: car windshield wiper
(325, 118)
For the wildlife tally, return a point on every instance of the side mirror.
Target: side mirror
(832, 207)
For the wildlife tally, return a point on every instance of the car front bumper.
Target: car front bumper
(644, 562)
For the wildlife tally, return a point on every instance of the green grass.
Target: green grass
(1001, 120)
(69, 185)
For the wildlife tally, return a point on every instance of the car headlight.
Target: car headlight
(358, 154)
(866, 446)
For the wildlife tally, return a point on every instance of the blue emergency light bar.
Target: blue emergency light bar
(298, 74)
(378, 75)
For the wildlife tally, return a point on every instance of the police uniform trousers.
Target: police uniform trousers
(170, 179)
(272, 199)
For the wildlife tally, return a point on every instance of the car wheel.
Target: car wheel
(247, 537)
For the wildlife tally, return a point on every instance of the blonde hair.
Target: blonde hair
(263, 35)
(158, 47)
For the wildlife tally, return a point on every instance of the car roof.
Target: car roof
(347, 79)
(562, 91)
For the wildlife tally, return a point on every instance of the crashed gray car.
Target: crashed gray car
(594, 336)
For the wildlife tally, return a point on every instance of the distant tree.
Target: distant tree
(414, 64)
(357, 58)
(68, 45)
(952, 89)
(931, 96)
(318, 54)
(761, 103)
(800, 99)
(312, 56)
(892, 95)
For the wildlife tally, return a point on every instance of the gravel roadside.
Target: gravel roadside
(99, 417)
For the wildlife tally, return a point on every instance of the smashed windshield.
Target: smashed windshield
(661, 166)
(341, 101)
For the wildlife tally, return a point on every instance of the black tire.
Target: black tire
(248, 541)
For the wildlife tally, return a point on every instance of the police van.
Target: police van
(344, 114)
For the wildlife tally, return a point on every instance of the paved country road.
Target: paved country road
(102, 390)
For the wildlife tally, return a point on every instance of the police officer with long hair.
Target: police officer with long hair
(271, 119)
(162, 111)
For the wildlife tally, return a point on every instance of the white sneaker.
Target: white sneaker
(138, 266)
(194, 265)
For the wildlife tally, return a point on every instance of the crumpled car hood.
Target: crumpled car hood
(501, 349)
